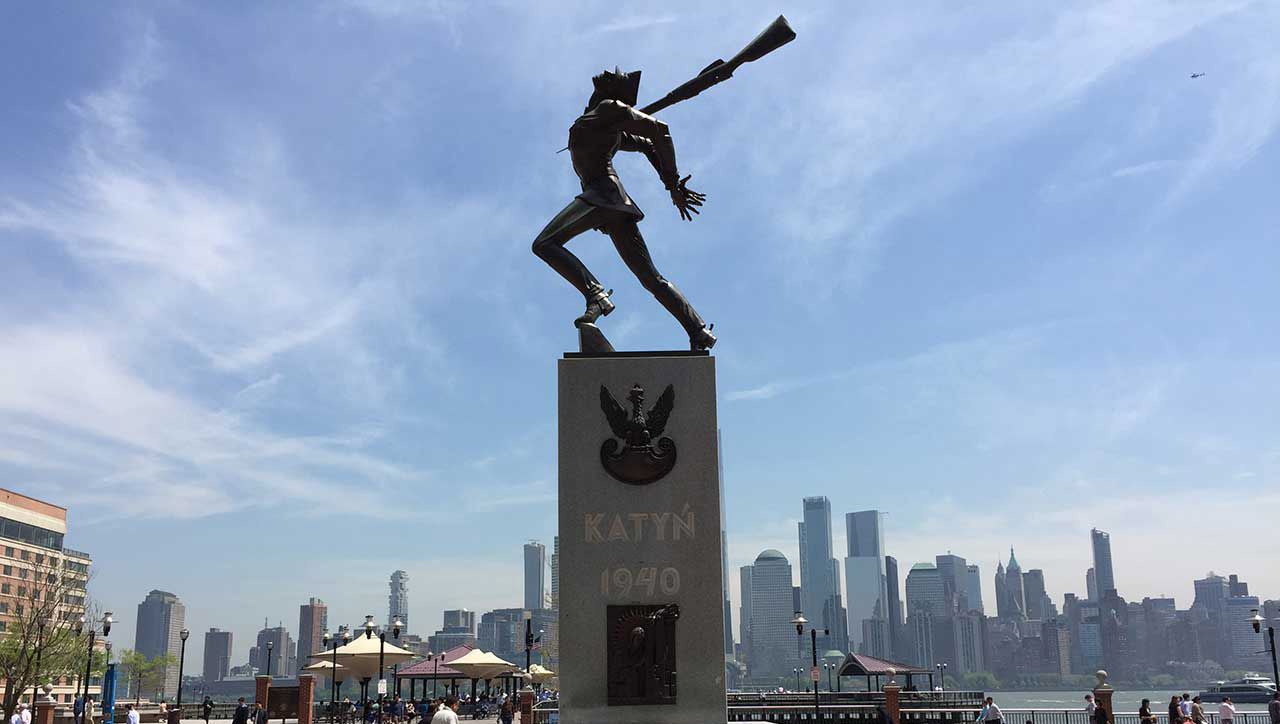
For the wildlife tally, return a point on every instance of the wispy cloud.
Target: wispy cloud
(634, 22)
(1140, 169)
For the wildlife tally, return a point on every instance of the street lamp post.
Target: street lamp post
(797, 673)
(942, 674)
(528, 639)
(182, 659)
(382, 648)
(799, 622)
(829, 668)
(270, 647)
(88, 664)
(1257, 622)
(39, 650)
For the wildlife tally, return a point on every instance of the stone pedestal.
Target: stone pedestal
(1102, 697)
(262, 690)
(306, 692)
(893, 703)
(526, 706)
(639, 558)
(44, 710)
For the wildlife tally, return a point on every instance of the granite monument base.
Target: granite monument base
(641, 609)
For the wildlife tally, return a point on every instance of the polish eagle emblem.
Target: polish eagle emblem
(644, 455)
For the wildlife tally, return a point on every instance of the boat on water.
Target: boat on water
(1251, 689)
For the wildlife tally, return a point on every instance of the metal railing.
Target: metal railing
(798, 713)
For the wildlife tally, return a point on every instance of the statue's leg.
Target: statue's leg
(577, 217)
(631, 247)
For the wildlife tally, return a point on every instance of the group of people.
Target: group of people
(1186, 709)
(442, 710)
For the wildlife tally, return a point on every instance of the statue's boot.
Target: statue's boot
(598, 305)
(702, 339)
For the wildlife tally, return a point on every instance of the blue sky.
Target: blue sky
(271, 328)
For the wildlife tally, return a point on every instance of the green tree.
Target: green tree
(39, 641)
(144, 674)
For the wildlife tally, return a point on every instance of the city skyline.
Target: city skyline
(1004, 273)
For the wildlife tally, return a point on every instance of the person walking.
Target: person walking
(77, 709)
(1175, 710)
(1197, 711)
(1144, 713)
(1185, 705)
(241, 715)
(26, 713)
(206, 708)
(1100, 715)
(1226, 711)
(87, 716)
(1273, 709)
(259, 714)
(17, 714)
(448, 713)
(1089, 706)
(131, 715)
(990, 713)
(507, 713)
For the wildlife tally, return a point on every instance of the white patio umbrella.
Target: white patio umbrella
(327, 669)
(477, 664)
(360, 657)
(541, 674)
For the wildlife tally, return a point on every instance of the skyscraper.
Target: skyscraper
(1002, 592)
(313, 621)
(818, 585)
(398, 600)
(535, 566)
(953, 571)
(925, 592)
(865, 580)
(161, 617)
(274, 644)
(724, 554)
(897, 634)
(973, 587)
(744, 612)
(555, 573)
(217, 654)
(1037, 600)
(1102, 562)
(1091, 585)
(772, 635)
(1013, 587)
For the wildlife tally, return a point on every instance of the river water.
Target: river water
(1125, 702)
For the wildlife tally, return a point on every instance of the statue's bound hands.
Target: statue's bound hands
(686, 199)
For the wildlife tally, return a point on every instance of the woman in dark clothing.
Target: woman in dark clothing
(1144, 713)
(1175, 710)
(1100, 716)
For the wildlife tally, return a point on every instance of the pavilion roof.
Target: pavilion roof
(427, 668)
(863, 665)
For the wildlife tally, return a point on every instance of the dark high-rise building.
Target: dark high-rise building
(274, 647)
(1236, 587)
(744, 614)
(459, 629)
(313, 621)
(161, 617)
(818, 586)
(217, 654)
(1013, 587)
(535, 565)
(1037, 599)
(973, 587)
(1002, 593)
(925, 591)
(953, 572)
(1091, 585)
(897, 634)
(1102, 562)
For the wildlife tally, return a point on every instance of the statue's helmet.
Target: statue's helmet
(614, 85)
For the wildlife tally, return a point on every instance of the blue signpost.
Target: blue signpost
(109, 694)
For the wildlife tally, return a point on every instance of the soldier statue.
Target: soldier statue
(610, 123)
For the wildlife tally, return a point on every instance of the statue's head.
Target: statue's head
(614, 85)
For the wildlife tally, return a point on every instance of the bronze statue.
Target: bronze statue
(611, 123)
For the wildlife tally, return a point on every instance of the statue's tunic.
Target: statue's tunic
(600, 133)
